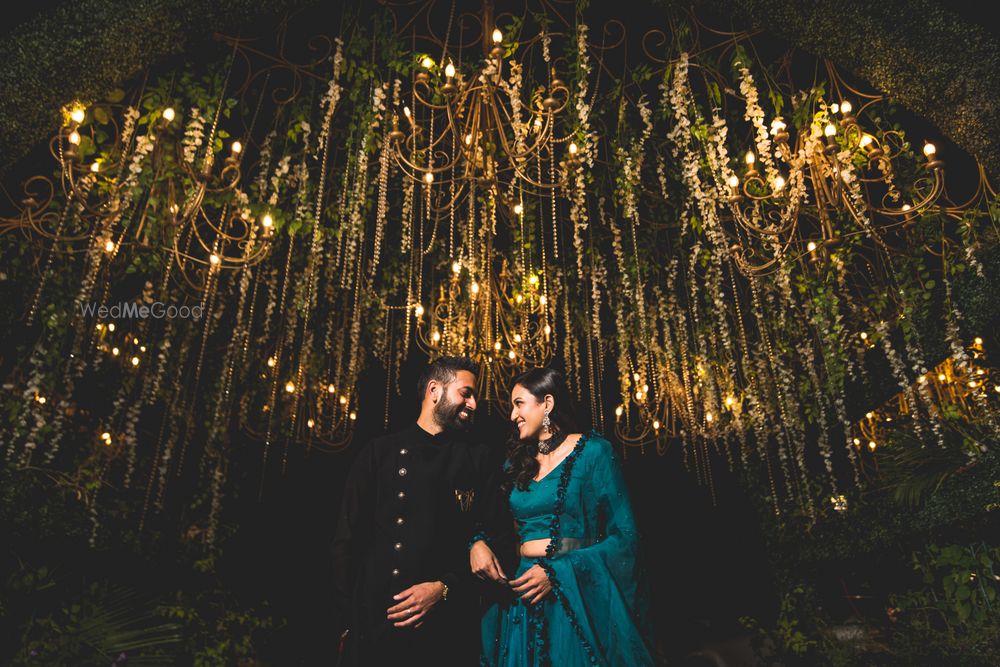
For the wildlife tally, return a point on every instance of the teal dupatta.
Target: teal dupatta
(595, 573)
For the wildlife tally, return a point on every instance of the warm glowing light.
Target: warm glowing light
(518, 209)
(331, 389)
(497, 36)
(542, 300)
(777, 125)
(811, 246)
(517, 338)
(135, 361)
(973, 383)
(618, 411)
(906, 207)
(115, 351)
(310, 423)
(942, 377)
(496, 346)
(468, 140)
(74, 138)
(290, 387)
(866, 139)
(271, 361)
(656, 424)
(95, 167)
(237, 147)
(922, 379)
(572, 148)
(111, 326)
(857, 442)
(426, 63)
(708, 417)
(168, 114)
(834, 108)
(779, 182)
(109, 245)
(475, 287)
(864, 336)
(77, 114)
(829, 130)
(353, 416)
(533, 279)
(214, 259)
(730, 400)
(978, 340)
(268, 220)
(845, 107)
(343, 400)
(106, 436)
(436, 337)
(429, 177)
(418, 310)
(406, 111)
(456, 267)
(449, 70)
(733, 181)
(750, 158)
(929, 149)
(869, 415)
(547, 329)
(512, 354)
(40, 399)
(871, 445)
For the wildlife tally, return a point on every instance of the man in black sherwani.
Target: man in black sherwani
(404, 589)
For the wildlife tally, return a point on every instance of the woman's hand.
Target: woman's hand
(533, 585)
(414, 603)
(484, 562)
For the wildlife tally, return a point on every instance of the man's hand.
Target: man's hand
(414, 603)
(533, 585)
(484, 562)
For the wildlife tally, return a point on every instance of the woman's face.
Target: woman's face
(527, 412)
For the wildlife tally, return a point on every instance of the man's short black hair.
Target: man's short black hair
(443, 369)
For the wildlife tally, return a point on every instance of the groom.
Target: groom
(403, 587)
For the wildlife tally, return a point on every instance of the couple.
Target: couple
(424, 509)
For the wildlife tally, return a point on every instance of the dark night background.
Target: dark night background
(707, 560)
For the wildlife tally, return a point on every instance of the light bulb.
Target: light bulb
(811, 246)
(708, 417)
(419, 310)
(429, 177)
(829, 130)
(871, 445)
(978, 340)
(111, 327)
(750, 158)
(237, 147)
(353, 416)
(572, 148)
(436, 337)
(542, 300)
(777, 125)
(518, 209)
(106, 436)
(456, 267)
(866, 139)
(512, 355)
(533, 279)
(268, 220)
(468, 140)
(331, 389)
(271, 361)
(115, 351)
(310, 423)
(475, 287)
(135, 361)
(864, 336)
(290, 387)
(942, 377)
(497, 36)
(834, 108)
(496, 346)
(656, 424)
(618, 411)
(74, 138)
(733, 181)
(730, 400)
(77, 115)
(109, 245)
(95, 167)
(929, 149)
(406, 111)
(547, 329)
(343, 400)
(845, 107)
(517, 338)
(426, 63)
(779, 182)
(214, 259)
(168, 114)
(449, 70)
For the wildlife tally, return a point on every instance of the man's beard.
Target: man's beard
(446, 415)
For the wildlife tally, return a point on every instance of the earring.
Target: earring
(546, 422)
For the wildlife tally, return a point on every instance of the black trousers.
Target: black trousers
(449, 637)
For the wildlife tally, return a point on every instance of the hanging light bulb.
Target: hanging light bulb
(237, 147)
(811, 246)
(750, 158)
(77, 115)
(74, 138)
(733, 181)
(866, 140)
(426, 63)
(830, 130)
(456, 267)
(418, 310)
(930, 149)
(572, 148)
(449, 70)
(168, 114)
(290, 387)
(518, 209)
(109, 246)
(845, 107)
(779, 183)
(96, 167)
(497, 36)
(268, 220)
(214, 259)
(429, 177)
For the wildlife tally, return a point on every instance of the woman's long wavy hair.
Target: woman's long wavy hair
(521, 453)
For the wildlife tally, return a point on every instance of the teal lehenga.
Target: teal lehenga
(597, 612)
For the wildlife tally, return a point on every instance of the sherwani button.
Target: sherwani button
(399, 521)
(395, 572)
(402, 472)
(398, 546)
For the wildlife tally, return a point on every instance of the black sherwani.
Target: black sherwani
(408, 512)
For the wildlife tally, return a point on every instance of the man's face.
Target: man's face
(456, 403)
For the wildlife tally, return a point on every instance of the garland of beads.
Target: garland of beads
(550, 550)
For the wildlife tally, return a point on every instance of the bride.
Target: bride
(575, 598)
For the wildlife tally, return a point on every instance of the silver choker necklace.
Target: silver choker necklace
(547, 446)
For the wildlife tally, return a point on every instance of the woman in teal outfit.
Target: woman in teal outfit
(576, 597)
